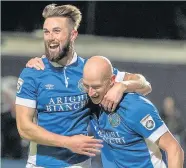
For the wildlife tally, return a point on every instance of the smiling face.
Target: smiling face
(98, 78)
(57, 37)
(96, 88)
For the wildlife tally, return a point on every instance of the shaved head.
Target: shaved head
(98, 67)
(97, 77)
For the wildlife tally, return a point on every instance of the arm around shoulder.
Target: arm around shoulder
(137, 83)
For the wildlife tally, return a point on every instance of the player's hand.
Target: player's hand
(36, 63)
(113, 97)
(84, 145)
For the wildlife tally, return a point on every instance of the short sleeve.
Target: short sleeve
(143, 118)
(26, 88)
(119, 75)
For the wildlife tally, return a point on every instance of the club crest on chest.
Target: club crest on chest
(114, 119)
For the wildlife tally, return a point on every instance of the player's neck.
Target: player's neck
(66, 60)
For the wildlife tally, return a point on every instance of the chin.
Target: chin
(52, 57)
(96, 101)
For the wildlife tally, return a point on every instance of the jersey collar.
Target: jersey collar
(74, 59)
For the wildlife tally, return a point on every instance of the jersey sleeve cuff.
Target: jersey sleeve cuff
(25, 102)
(158, 133)
(120, 76)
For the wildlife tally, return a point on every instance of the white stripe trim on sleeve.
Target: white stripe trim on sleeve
(158, 133)
(25, 102)
(120, 76)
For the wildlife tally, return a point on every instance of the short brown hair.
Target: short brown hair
(69, 11)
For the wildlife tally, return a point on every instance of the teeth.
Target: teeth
(53, 45)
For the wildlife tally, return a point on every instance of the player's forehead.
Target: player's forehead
(92, 81)
(95, 82)
(54, 22)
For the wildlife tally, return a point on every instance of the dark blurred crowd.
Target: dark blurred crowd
(11, 143)
(14, 147)
(174, 120)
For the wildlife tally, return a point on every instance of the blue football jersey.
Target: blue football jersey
(130, 134)
(62, 107)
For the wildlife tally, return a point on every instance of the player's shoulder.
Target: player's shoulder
(81, 59)
(81, 62)
(31, 73)
(136, 98)
(134, 102)
(34, 72)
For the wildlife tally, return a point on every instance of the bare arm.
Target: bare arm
(131, 83)
(174, 151)
(29, 130)
(136, 83)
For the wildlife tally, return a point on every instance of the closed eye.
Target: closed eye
(45, 31)
(57, 31)
(85, 86)
(96, 87)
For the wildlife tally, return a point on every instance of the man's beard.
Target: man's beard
(62, 53)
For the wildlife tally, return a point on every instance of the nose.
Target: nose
(91, 91)
(51, 36)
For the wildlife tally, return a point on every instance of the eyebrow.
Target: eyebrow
(52, 29)
(95, 85)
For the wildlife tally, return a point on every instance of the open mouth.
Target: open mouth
(95, 97)
(53, 46)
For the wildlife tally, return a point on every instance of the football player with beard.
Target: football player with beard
(59, 134)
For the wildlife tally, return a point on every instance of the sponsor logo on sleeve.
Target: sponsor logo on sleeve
(19, 85)
(148, 122)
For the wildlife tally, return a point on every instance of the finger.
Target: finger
(92, 150)
(114, 106)
(86, 136)
(110, 106)
(103, 102)
(40, 66)
(36, 67)
(38, 61)
(88, 154)
(97, 141)
(106, 105)
(28, 65)
(96, 146)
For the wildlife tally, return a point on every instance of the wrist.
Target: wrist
(64, 141)
(124, 85)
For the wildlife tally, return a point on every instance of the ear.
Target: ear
(74, 35)
(113, 79)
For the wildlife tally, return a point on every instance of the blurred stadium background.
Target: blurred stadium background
(139, 37)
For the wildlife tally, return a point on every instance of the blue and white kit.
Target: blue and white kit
(130, 134)
(62, 107)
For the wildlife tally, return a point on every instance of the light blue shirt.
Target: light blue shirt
(130, 134)
(62, 107)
